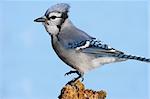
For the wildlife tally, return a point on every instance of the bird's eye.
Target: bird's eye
(53, 17)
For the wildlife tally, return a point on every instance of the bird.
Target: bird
(75, 47)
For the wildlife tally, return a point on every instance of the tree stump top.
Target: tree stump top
(77, 91)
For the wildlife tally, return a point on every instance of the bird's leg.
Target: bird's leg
(80, 75)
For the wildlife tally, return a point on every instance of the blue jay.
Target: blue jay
(75, 47)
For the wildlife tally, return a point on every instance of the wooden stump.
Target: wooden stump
(77, 91)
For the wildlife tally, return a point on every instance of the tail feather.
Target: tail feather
(125, 56)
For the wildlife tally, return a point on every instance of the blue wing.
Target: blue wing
(72, 37)
(96, 48)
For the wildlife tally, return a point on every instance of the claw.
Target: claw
(70, 72)
(82, 79)
(75, 79)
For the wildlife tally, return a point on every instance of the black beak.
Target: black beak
(41, 19)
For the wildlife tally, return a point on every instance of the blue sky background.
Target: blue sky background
(29, 68)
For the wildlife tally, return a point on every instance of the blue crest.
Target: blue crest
(60, 7)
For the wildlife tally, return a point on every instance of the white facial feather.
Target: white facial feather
(53, 29)
(55, 14)
(51, 23)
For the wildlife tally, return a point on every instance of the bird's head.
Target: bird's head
(54, 18)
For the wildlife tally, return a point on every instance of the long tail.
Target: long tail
(125, 56)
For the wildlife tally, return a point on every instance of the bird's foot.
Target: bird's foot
(71, 72)
(75, 79)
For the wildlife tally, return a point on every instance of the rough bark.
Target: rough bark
(77, 91)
